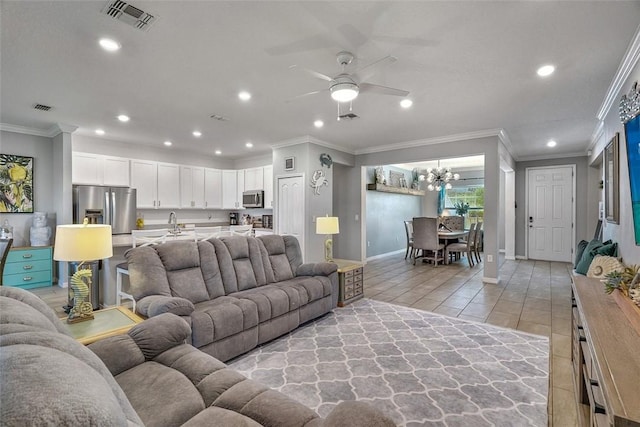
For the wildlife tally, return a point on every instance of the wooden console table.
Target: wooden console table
(606, 358)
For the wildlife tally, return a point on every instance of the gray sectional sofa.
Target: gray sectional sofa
(235, 292)
(148, 377)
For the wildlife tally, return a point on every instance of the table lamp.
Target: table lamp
(82, 245)
(328, 225)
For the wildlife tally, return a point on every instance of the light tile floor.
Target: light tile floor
(532, 296)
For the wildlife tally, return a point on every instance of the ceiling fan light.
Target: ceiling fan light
(344, 92)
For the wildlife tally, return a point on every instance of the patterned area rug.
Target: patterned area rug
(420, 368)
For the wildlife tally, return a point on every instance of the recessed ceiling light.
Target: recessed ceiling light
(318, 123)
(109, 45)
(244, 95)
(123, 118)
(197, 133)
(248, 145)
(546, 70)
(406, 103)
(168, 143)
(99, 132)
(551, 143)
(218, 152)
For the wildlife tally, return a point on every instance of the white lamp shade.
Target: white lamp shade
(327, 225)
(80, 242)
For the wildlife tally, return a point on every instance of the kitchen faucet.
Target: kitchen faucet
(173, 219)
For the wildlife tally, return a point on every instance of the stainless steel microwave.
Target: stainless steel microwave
(253, 199)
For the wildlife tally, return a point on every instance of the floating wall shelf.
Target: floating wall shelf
(399, 190)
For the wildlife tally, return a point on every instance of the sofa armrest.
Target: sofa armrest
(357, 414)
(316, 269)
(154, 305)
(143, 342)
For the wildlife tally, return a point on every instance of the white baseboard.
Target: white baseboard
(510, 258)
(491, 280)
(501, 251)
(399, 251)
(521, 257)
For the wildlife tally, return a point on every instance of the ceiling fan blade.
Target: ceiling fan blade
(368, 87)
(313, 73)
(307, 44)
(306, 94)
(370, 67)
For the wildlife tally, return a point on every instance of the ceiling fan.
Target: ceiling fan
(345, 87)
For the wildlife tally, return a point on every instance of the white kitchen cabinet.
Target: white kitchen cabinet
(86, 168)
(212, 188)
(157, 184)
(192, 187)
(253, 179)
(116, 171)
(96, 169)
(232, 187)
(168, 185)
(268, 186)
(144, 178)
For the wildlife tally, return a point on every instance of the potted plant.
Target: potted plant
(461, 208)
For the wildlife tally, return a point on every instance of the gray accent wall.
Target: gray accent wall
(581, 198)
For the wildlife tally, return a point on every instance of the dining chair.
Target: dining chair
(241, 230)
(408, 228)
(206, 233)
(425, 240)
(477, 241)
(5, 245)
(463, 246)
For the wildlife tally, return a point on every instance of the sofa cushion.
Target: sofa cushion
(272, 301)
(181, 260)
(222, 317)
(210, 269)
(147, 275)
(247, 260)
(585, 261)
(308, 288)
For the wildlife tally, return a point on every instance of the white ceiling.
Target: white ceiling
(469, 66)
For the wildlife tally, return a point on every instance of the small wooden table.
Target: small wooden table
(350, 277)
(106, 323)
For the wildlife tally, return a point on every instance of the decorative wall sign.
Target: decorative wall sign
(16, 184)
(289, 163)
(318, 180)
(630, 104)
(611, 185)
(326, 160)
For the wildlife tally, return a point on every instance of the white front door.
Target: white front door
(550, 213)
(290, 207)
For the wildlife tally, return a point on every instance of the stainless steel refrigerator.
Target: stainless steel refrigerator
(105, 205)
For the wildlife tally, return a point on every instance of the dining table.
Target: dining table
(454, 235)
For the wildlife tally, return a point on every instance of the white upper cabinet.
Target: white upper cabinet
(192, 187)
(253, 179)
(96, 169)
(268, 186)
(212, 188)
(157, 184)
(116, 171)
(232, 187)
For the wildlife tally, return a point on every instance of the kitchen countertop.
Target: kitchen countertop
(126, 240)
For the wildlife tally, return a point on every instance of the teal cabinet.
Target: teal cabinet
(29, 267)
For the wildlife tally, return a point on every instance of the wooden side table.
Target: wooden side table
(351, 281)
(106, 323)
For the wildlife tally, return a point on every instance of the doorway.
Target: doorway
(290, 207)
(551, 213)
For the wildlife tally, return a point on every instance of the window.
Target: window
(472, 195)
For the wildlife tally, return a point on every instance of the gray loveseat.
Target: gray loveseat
(235, 292)
(148, 377)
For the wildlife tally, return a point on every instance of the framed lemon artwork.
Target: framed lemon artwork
(16, 184)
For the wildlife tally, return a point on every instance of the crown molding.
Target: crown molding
(506, 141)
(306, 139)
(432, 141)
(48, 133)
(553, 156)
(596, 135)
(627, 64)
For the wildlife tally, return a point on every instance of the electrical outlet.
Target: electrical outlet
(357, 217)
(368, 243)
(489, 258)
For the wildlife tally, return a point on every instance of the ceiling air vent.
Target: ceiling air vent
(219, 118)
(129, 14)
(41, 107)
(348, 116)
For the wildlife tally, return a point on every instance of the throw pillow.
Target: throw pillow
(606, 250)
(585, 261)
(579, 251)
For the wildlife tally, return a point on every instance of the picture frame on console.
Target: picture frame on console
(611, 180)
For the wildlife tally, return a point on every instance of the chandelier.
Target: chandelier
(439, 178)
